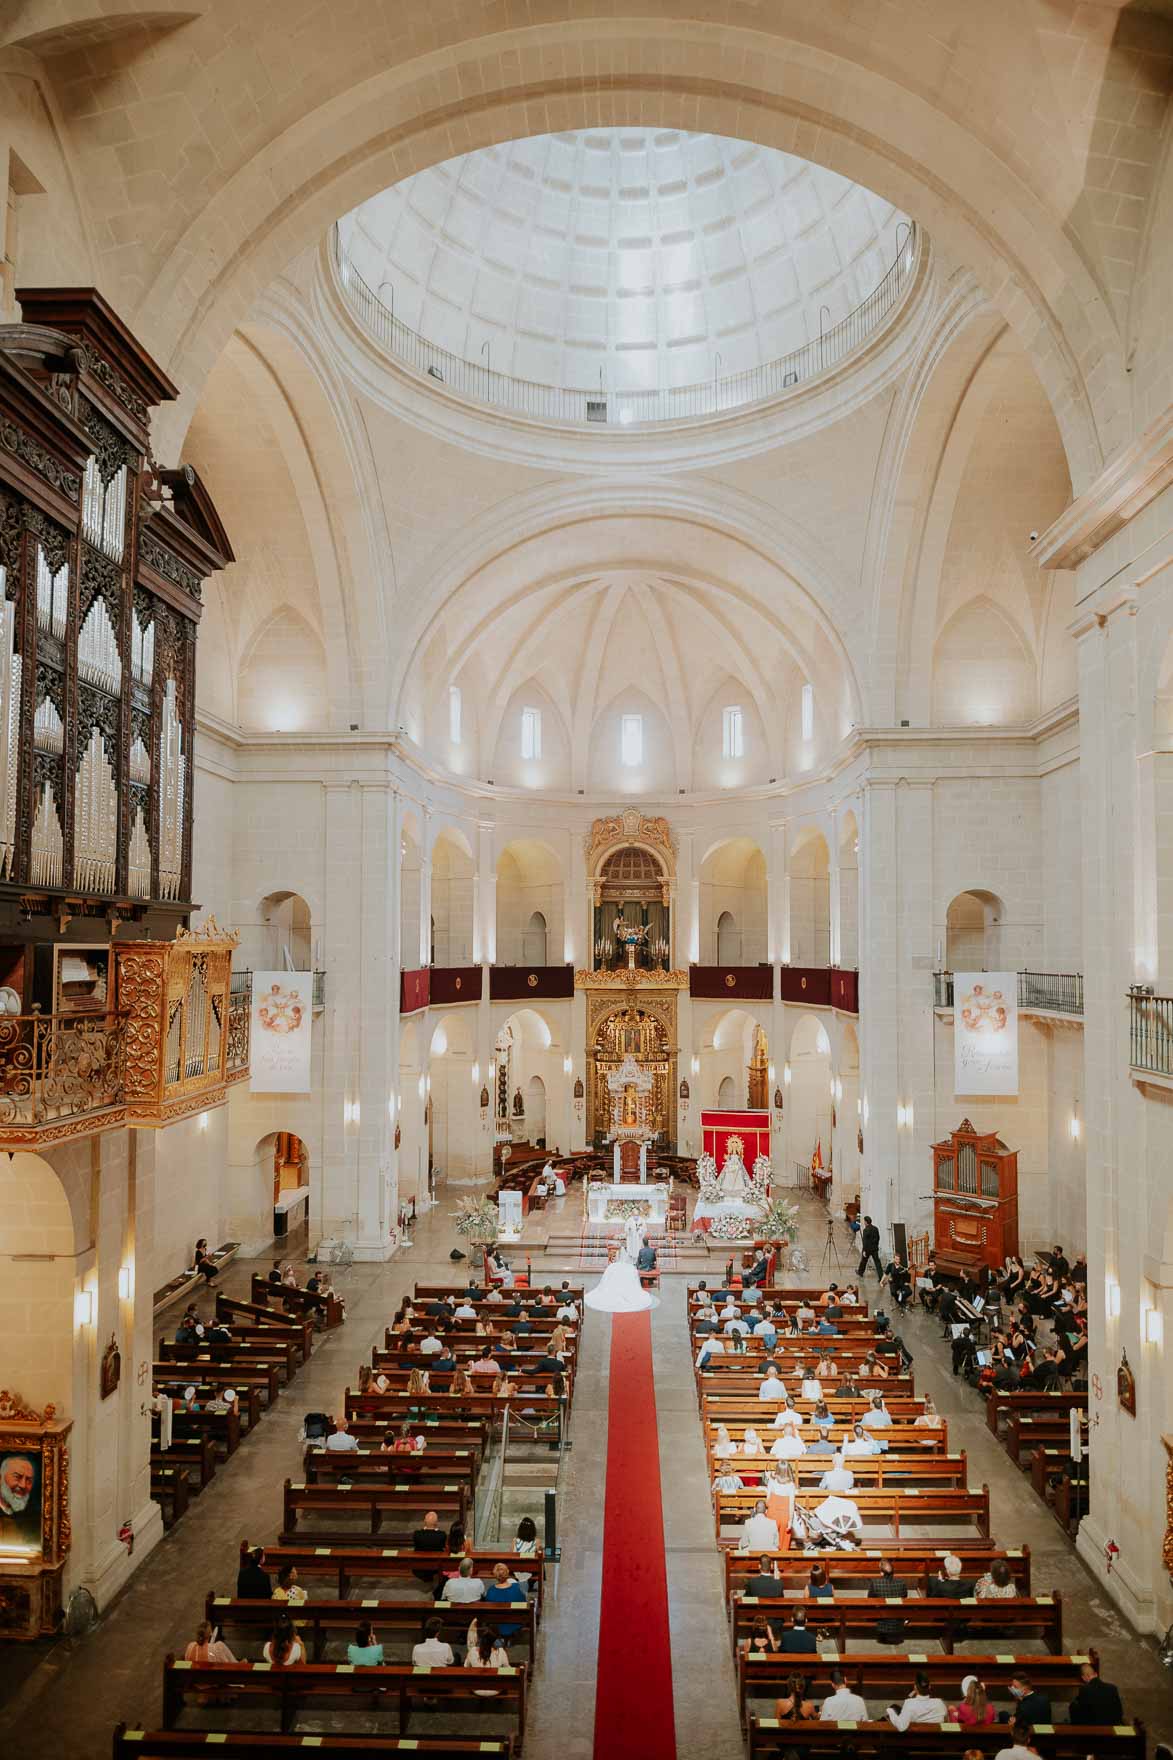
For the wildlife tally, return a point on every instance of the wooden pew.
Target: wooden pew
(769, 1739)
(848, 1617)
(280, 1351)
(261, 1376)
(325, 1466)
(248, 1397)
(405, 1620)
(888, 1675)
(425, 1292)
(1029, 1430)
(257, 1314)
(185, 1281)
(296, 1301)
(330, 1688)
(966, 1509)
(345, 1565)
(402, 1507)
(190, 1466)
(394, 1407)
(901, 1438)
(439, 1432)
(873, 1471)
(170, 1490)
(196, 1453)
(914, 1560)
(198, 1744)
(724, 1402)
(999, 1404)
(223, 1428)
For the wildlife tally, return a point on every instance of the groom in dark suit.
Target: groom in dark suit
(645, 1259)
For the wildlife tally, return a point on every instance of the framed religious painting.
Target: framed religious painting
(34, 1516)
(1126, 1385)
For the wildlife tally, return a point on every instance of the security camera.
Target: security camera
(1034, 537)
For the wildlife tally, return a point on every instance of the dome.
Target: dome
(622, 261)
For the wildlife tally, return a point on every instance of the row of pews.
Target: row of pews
(916, 1506)
(1035, 1428)
(219, 1391)
(351, 1530)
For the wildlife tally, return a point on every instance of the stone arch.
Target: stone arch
(733, 884)
(809, 1099)
(40, 1282)
(288, 920)
(282, 686)
(529, 884)
(973, 922)
(809, 869)
(453, 882)
(984, 671)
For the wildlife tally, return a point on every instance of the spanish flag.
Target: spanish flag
(817, 1157)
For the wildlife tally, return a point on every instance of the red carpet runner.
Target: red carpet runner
(633, 1689)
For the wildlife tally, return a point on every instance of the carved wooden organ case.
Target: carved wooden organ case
(975, 1195)
(102, 563)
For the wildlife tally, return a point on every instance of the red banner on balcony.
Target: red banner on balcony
(807, 984)
(452, 984)
(530, 983)
(735, 983)
(414, 990)
(845, 991)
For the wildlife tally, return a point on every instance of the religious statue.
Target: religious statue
(518, 1105)
(735, 1181)
(630, 936)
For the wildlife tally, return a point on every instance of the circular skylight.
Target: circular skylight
(622, 261)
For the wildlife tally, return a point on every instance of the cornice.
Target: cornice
(1123, 489)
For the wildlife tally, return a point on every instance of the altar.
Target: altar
(647, 1201)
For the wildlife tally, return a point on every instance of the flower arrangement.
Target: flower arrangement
(620, 1209)
(731, 1228)
(778, 1222)
(477, 1219)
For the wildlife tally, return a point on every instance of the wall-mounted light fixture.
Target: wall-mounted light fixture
(125, 1282)
(567, 1065)
(1074, 1125)
(83, 1308)
(1113, 1298)
(1154, 1326)
(786, 1074)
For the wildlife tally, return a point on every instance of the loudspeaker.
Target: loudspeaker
(900, 1241)
(550, 1543)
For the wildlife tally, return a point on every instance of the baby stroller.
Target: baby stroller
(816, 1535)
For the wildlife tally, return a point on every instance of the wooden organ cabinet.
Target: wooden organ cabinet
(103, 557)
(975, 1199)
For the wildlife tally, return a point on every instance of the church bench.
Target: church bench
(196, 1453)
(467, 1347)
(540, 1327)
(531, 1386)
(1051, 1476)
(769, 1740)
(725, 1397)
(442, 1432)
(263, 1375)
(199, 1744)
(848, 1617)
(168, 1379)
(530, 1297)
(278, 1354)
(353, 1563)
(934, 1471)
(246, 1332)
(392, 1509)
(846, 1348)
(791, 1292)
(185, 1281)
(850, 1572)
(295, 1300)
(393, 1407)
(170, 1490)
(296, 1326)
(964, 1509)
(404, 1620)
(331, 1689)
(886, 1675)
(1069, 1503)
(999, 1404)
(222, 1428)
(327, 1465)
(1030, 1430)
(901, 1438)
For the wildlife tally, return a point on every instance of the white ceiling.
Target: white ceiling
(652, 258)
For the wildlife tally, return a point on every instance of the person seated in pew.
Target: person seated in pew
(275, 1273)
(366, 1650)
(204, 1262)
(862, 1441)
(283, 1648)
(252, 1579)
(797, 1639)
(974, 1710)
(886, 1585)
(429, 1538)
(728, 1480)
(824, 1418)
(921, 1706)
(762, 1640)
(793, 1703)
(838, 1477)
(378, 1383)
(505, 1587)
(556, 1387)
(849, 1387)
(810, 1387)
(525, 1545)
(465, 1310)
(288, 1588)
(504, 1388)
(494, 1295)
(486, 1651)
(217, 1333)
(289, 1277)
(340, 1441)
(771, 1385)
(445, 1363)
(767, 1585)
(207, 1645)
(789, 1418)
(842, 1705)
(1032, 1705)
(484, 1365)
(947, 1584)
(464, 1586)
(432, 1651)
(1023, 1743)
(767, 1330)
(929, 1418)
(819, 1586)
(430, 1345)
(222, 1401)
(873, 1367)
(788, 1445)
(805, 1315)
(462, 1384)
(189, 1330)
(998, 1585)
(549, 1363)
(724, 1444)
(759, 1532)
(566, 1311)
(826, 1368)
(736, 1327)
(756, 1275)
(709, 1348)
(1097, 1701)
(877, 1416)
(825, 1326)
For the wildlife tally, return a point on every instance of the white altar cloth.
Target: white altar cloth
(603, 1193)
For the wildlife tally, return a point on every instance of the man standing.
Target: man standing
(869, 1240)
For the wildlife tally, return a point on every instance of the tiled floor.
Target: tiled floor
(78, 1690)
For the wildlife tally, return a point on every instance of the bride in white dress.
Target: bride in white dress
(619, 1290)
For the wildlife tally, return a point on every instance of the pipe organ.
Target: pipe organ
(103, 557)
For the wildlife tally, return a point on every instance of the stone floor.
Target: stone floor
(70, 1694)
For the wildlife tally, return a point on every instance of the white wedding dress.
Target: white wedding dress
(619, 1290)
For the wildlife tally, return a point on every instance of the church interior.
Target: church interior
(586, 879)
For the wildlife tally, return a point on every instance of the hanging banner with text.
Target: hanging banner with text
(985, 1033)
(279, 1054)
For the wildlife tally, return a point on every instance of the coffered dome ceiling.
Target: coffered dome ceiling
(622, 259)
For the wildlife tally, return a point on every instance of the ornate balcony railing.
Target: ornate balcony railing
(1150, 1033)
(608, 407)
(56, 1070)
(1038, 992)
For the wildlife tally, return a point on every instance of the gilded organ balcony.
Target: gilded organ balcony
(175, 1040)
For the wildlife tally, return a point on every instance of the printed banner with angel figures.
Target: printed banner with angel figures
(985, 1033)
(281, 1032)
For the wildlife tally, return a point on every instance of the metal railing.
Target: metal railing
(242, 984)
(1040, 992)
(1150, 1033)
(55, 1067)
(610, 408)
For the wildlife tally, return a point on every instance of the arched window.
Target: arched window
(973, 925)
(534, 945)
(728, 940)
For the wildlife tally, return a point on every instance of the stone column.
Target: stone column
(686, 908)
(778, 894)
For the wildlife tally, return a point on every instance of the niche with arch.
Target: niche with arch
(733, 904)
(810, 902)
(287, 930)
(973, 940)
(529, 904)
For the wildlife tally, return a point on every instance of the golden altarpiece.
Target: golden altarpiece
(631, 989)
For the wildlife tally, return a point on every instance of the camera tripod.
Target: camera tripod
(831, 1250)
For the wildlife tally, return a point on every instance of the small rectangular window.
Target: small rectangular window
(531, 733)
(454, 728)
(631, 740)
(808, 712)
(732, 732)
